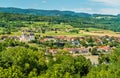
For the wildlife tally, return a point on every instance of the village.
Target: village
(88, 46)
(76, 45)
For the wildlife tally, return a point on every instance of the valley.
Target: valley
(64, 46)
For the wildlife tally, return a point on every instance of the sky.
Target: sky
(87, 6)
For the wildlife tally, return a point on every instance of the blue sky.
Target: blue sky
(88, 6)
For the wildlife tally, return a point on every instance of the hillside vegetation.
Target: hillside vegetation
(95, 21)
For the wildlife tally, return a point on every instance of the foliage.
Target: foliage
(27, 59)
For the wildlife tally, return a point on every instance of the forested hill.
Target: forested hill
(43, 12)
(107, 22)
(50, 12)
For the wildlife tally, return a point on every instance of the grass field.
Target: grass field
(59, 33)
(62, 31)
(92, 31)
(102, 33)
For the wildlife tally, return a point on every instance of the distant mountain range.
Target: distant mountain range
(47, 12)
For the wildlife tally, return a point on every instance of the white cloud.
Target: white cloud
(44, 1)
(115, 4)
(109, 11)
(109, 2)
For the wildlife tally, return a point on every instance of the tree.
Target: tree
(26, 59)
(114, 56)
(65, 64)
(11, 72)
(94, 51)
(82, 65)
(2, 47)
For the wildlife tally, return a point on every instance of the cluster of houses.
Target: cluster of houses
(81, 49)
(70, 39)
(63, 39)
(24, 37)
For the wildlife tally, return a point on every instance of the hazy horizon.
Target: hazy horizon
(85, 6)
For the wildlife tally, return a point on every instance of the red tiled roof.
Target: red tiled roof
(104, 47)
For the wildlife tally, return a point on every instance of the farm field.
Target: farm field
(63, 30)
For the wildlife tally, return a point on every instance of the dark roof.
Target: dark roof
(49, 37)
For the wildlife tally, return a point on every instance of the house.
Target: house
(103, 48)
(61, 38)
(99, 41)
(73, 38)
(76, 43)
(118, 38)
(50, 38)
(53, 51)
(31, 36)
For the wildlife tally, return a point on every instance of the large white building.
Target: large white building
(27, 37)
